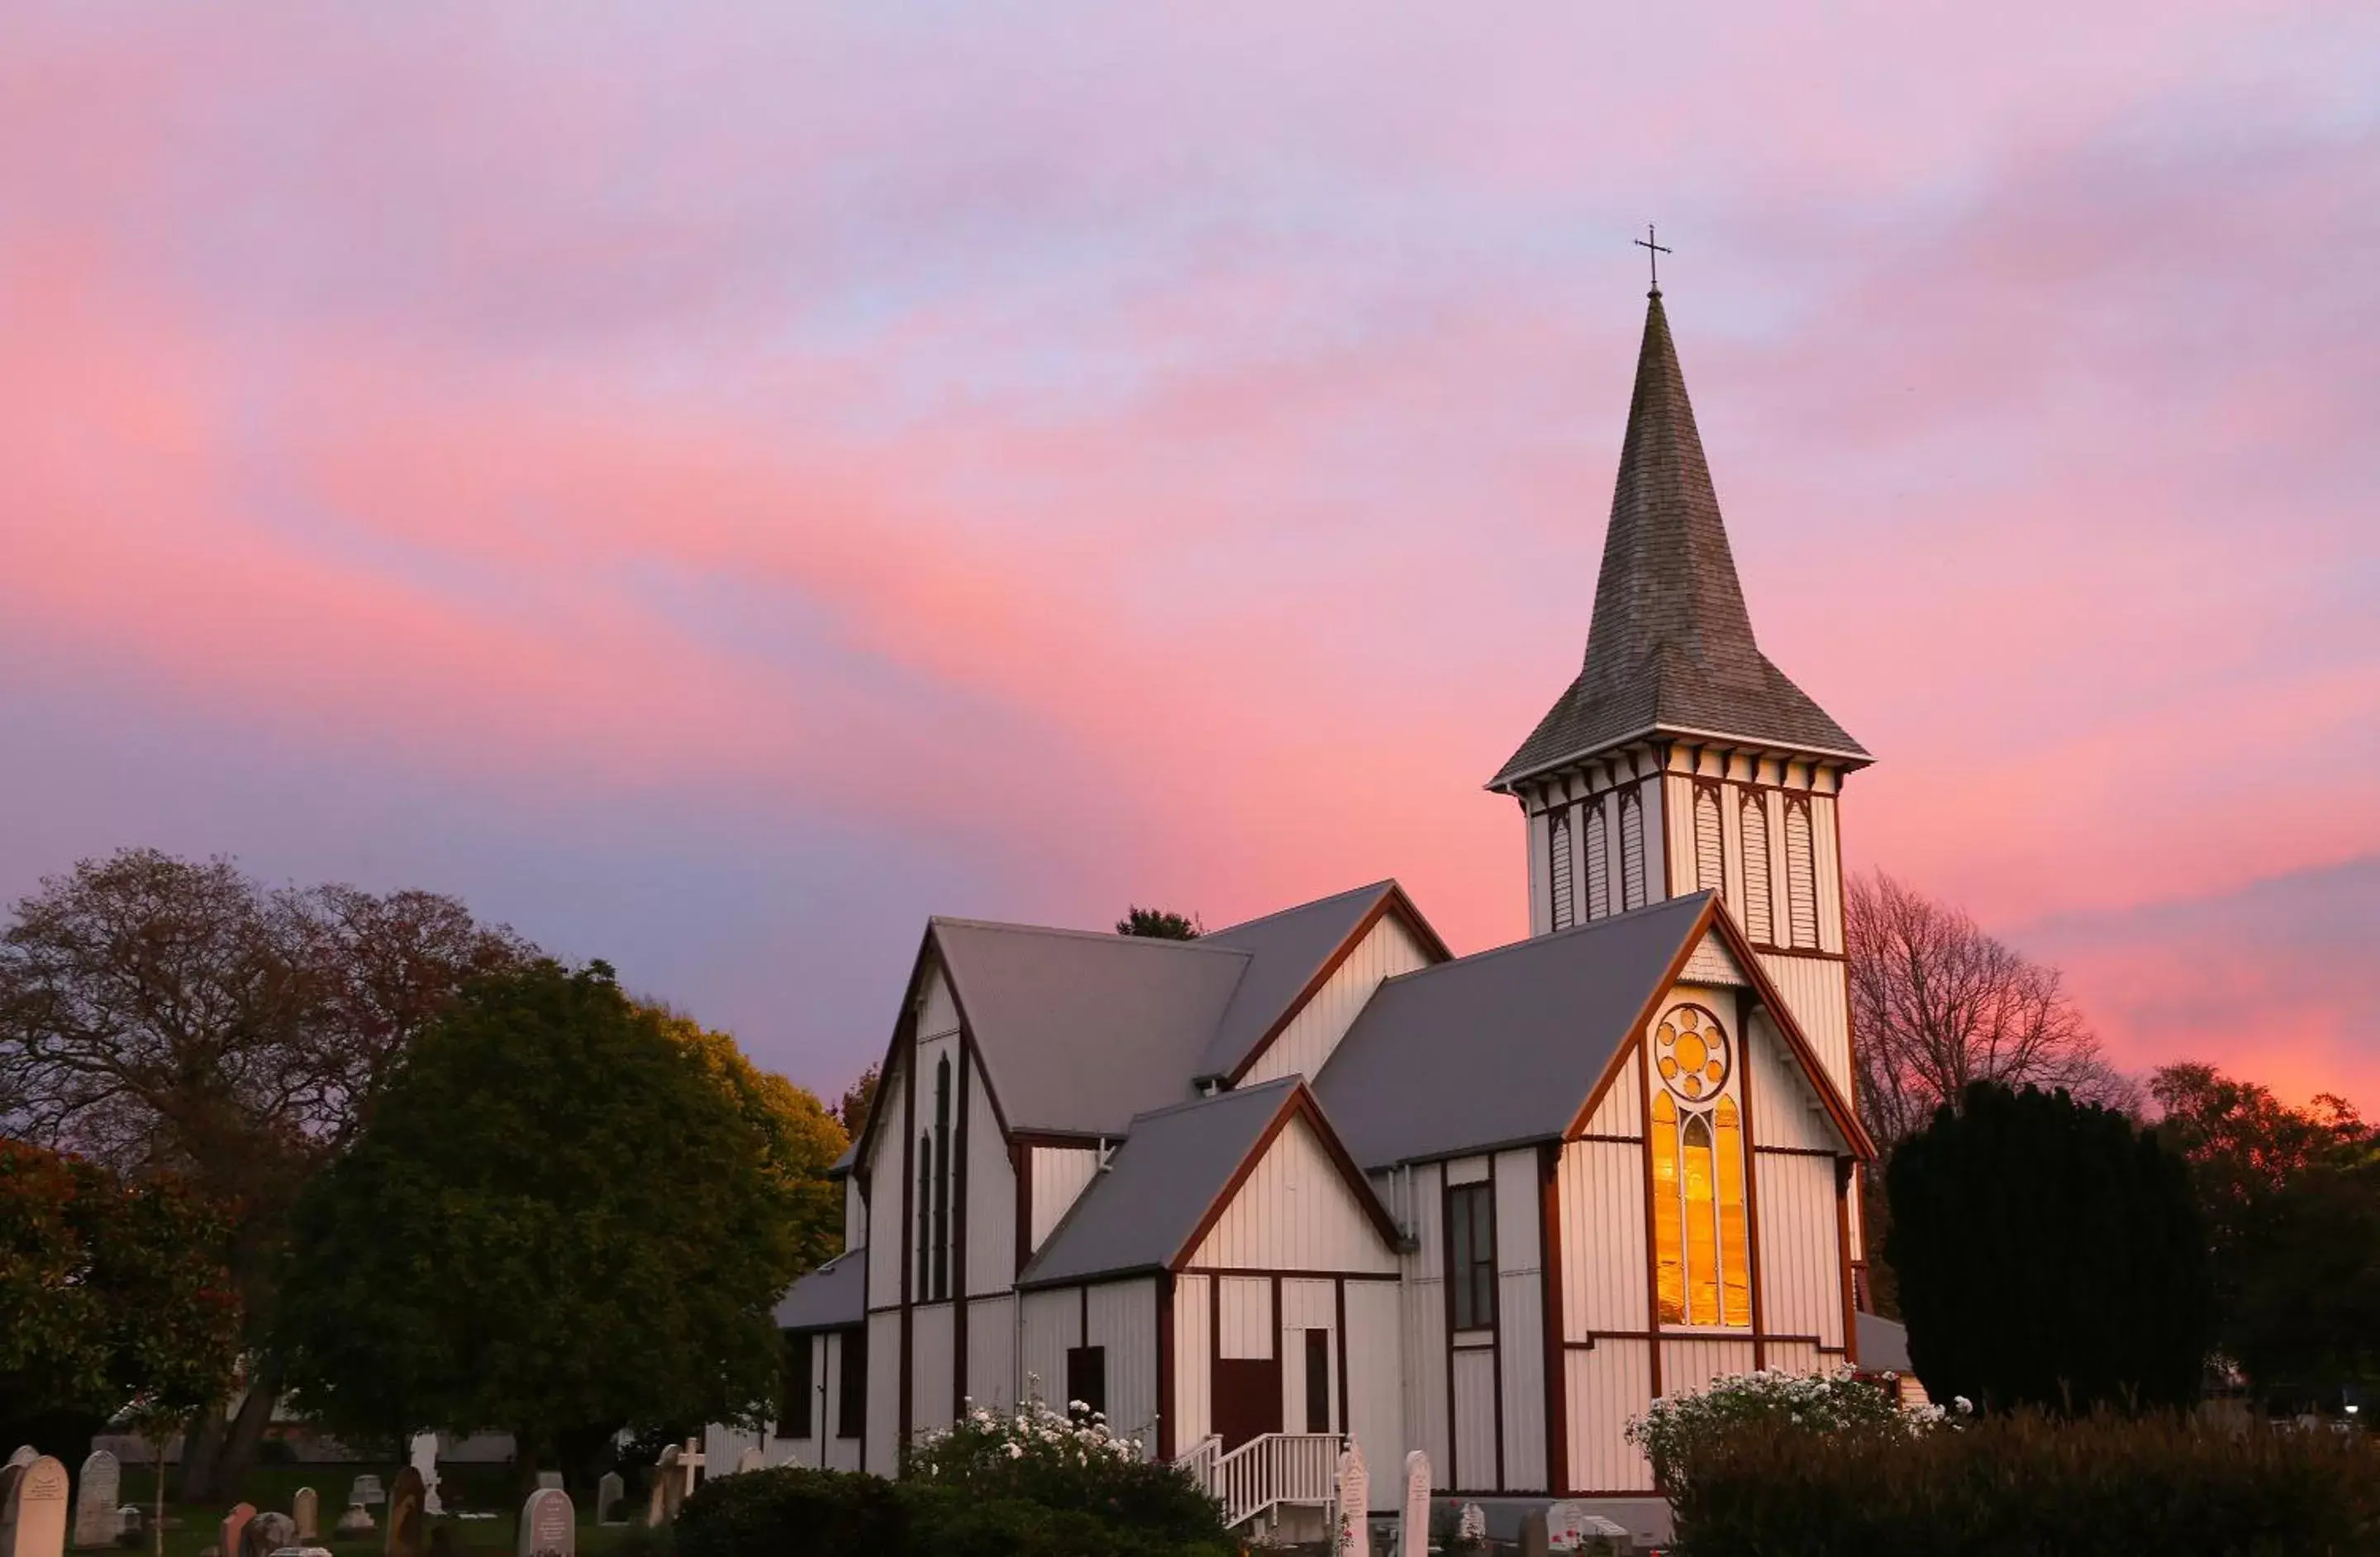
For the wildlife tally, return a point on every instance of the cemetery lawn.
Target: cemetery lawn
(272, 1487)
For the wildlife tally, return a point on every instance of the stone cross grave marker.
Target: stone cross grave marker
(102, 1483)
(365, 1491)
(1471, 1526)
(1355, 1502)
(234, 1527)
(34, 1520)
(608, 1495)
(549, 1526)
(406, 1516)
(1413, 1529)
(306, 1508)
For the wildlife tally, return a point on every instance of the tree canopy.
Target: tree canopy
(555, 1216)
(1161, 924)
(2049, 1254)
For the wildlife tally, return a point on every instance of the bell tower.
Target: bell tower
(1680, 759)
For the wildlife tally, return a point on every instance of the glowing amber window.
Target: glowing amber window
(1701, 1237)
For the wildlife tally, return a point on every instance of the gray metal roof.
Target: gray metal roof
(832, 1295)
(1883, 1343)
(1502, 1048)
(1286, 950)
(1081, 1031)
(1671, 644)
(1158, 1185)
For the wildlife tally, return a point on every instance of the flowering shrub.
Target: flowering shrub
(1677, 1427)
(1068, 1464)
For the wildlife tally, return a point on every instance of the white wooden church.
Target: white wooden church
(1314, 1175)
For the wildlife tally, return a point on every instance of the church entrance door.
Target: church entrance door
(1247, 1398)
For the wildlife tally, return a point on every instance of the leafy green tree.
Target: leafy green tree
(554, 1216)
(1159, 924)
(2049, 1254)
(118, 1298)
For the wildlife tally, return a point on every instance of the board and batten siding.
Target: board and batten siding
(938, 1010)
(1690, 1364)
(1520, 1319)
(1294, 1212)
(1124, 1321)
(1416, 1203)
(1243, 1318)
(991, 1352)
(883, 1436)
(1800, 1271)
(1308, 1303)
(1305, 1045)
(1194, 1416)
(1375, 1382)
(991, 1198)
(933, 1364)
(1474, 1468)
(1061, 1174)
(888, 1194)
(1814, 990)
(1053, 1323)
(1608, 1383)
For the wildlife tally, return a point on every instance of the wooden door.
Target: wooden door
(1247, 1398)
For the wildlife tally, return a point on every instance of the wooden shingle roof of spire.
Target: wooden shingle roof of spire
(1671, 646)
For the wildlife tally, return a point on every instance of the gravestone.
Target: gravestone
(1532, 1535)
(235, 1525)
(306, 1508)
(549, 1526)
(266, 1534)
(33, 1509)
(1471, 1526)
(1413, 1529)
(750, 1459)
(660, 1507)
(609, 1492)
(102, 1483)
(1573, 1526)
(425, 1462)
(549, 1482)
(356, 1521)
(406, 1519)
(128, 1520)
(26, 1455)
(1355, 1502)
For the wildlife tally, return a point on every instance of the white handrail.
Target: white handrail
(1269, 1469)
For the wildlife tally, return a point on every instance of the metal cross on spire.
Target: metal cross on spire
(1656, 251)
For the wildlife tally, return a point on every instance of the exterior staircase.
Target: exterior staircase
(1267, 1475)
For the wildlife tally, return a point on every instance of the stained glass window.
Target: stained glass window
(1701, 1236)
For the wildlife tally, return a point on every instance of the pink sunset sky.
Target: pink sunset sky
(714, 484)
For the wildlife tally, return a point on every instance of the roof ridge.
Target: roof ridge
(1227, 1093)
(1573, 933)
(1385, 883)
(954, 921)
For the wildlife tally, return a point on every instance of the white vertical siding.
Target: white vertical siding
(855, 1213)
(1800, 874)
(1608, 1385)
(1192, 1352)
(1562, 865)
(991, 1194)
(1305, 1045)
(1424, 1290)
(938, 1014)
(1829, 873)
(1688, 1367)
(991, 1351)
(1603, 1237)
(1622, 1111)
(933, 1359)
(1375, 1383)
(1124, 1319)
(1815, 991)
(1597, 856)
(1243, 1310)
(1797, 1356)
(1475, 1422)
(1468, 1170)
(1678, 834)
(1311, 1304)
(1053, 1322)
(1785, 1108)
(1540, 898)
(1800, 1272)
(836, 1453)
(1656, 854)
(1295, 1211)
(1521, 1319)
(888, 1199)
(883, 1438)
(1753, 893)
(1059, 1173)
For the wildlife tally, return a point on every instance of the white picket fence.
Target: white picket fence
(1266, 1472)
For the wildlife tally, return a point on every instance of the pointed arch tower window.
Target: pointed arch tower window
(941, 1234)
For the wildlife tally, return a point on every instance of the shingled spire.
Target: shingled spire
(1671, 646)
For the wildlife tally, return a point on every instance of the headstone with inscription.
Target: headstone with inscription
(306, 1508)
(1413, 1528)
(406, 1519)
(549, 1526)
(1355, 1502)
(609, 1493)
(95, 1493)
(33, 1509)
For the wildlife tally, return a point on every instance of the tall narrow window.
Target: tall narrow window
(1800, 873)
(920, 1289)
(1318, 1381)
(793, 1402)
(851, 1410)
(1632, 850)
(1701, 1238)
(1710, 869)
(1087, 1378)
(1557, 870)
(1598, 864)
(1471, 1247)
(941, 1287)
(1756, 910)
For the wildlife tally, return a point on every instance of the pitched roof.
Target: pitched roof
(831, 1295)
(1671, 644)
(1500, 1048)
(1157, 1186)
(1081, 1031)
(1288, 952)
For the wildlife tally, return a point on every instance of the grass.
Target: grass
(274, 1488)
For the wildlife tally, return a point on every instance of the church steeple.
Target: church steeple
(1671, 649)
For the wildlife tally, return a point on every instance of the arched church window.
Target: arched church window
(1701, 1236)
(1632, 850)
(1800, 873)
(1757, 906)
(1557, 870)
